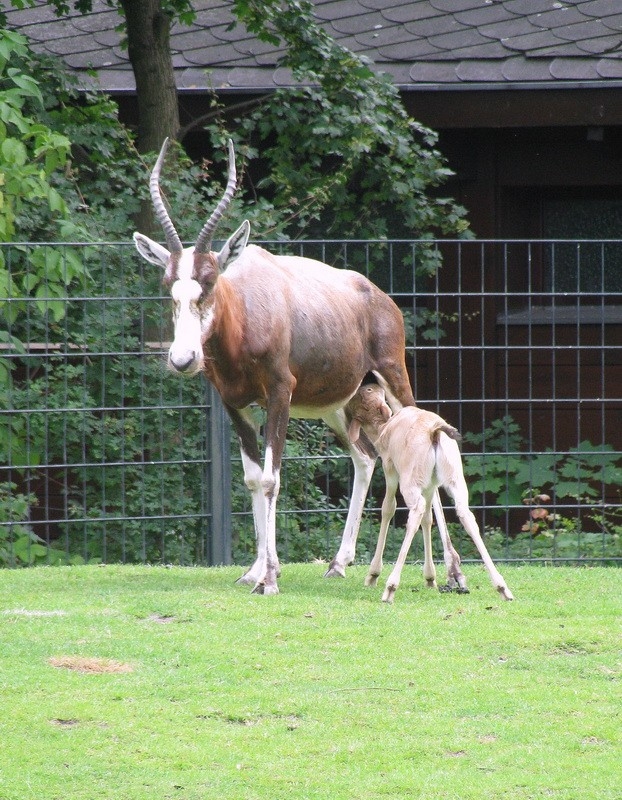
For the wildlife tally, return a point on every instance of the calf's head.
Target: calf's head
(369, 410)
(190, 273)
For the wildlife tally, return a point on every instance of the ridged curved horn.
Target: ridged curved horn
(172, 238)
(204, 239)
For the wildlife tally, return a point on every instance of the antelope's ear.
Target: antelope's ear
(151, 251)
(354, 431)
(234, 245)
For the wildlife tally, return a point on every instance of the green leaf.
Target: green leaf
(13, 152)
(55, 201)
(27, 85)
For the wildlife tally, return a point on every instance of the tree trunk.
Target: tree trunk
(148, 29)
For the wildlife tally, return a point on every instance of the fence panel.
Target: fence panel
(104, 455)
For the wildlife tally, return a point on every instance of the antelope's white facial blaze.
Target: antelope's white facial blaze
(192, 320)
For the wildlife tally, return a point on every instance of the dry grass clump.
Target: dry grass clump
(90, 664)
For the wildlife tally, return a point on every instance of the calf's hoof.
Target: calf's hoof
(388, 594)
(448, 588)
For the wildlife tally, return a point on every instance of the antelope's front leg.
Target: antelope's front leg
(252, 479)
(270, 486)
(246, 430)
(275, 432)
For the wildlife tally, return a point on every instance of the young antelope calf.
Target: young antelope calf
(420, 453)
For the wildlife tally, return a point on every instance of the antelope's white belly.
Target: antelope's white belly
(316, 412)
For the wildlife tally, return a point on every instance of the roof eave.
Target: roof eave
(127, 87)
(508, 86)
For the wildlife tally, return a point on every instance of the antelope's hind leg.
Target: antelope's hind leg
(363, 471)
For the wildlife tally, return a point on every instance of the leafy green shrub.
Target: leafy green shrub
(128, 498)
(19, 544)
(557, 492)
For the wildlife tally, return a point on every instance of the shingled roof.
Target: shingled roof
(422, 44)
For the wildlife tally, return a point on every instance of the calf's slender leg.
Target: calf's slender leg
(429, 570)
(455, 578)
(389, 505)
(415, 514)
(460, 494)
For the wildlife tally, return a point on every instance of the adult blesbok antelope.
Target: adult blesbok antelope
(290, 334)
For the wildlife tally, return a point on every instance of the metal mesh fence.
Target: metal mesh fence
(104, 455)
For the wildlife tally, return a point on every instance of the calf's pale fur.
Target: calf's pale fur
(419, 453)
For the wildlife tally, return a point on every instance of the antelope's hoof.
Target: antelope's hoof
(371, 580)
(505, 593)
(267, 589)
(247, 579)
(335, 571)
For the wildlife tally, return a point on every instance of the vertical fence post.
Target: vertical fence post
(219, 550)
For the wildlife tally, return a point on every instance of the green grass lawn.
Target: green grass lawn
(197, 689)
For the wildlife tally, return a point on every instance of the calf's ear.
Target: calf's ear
(354, 431)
